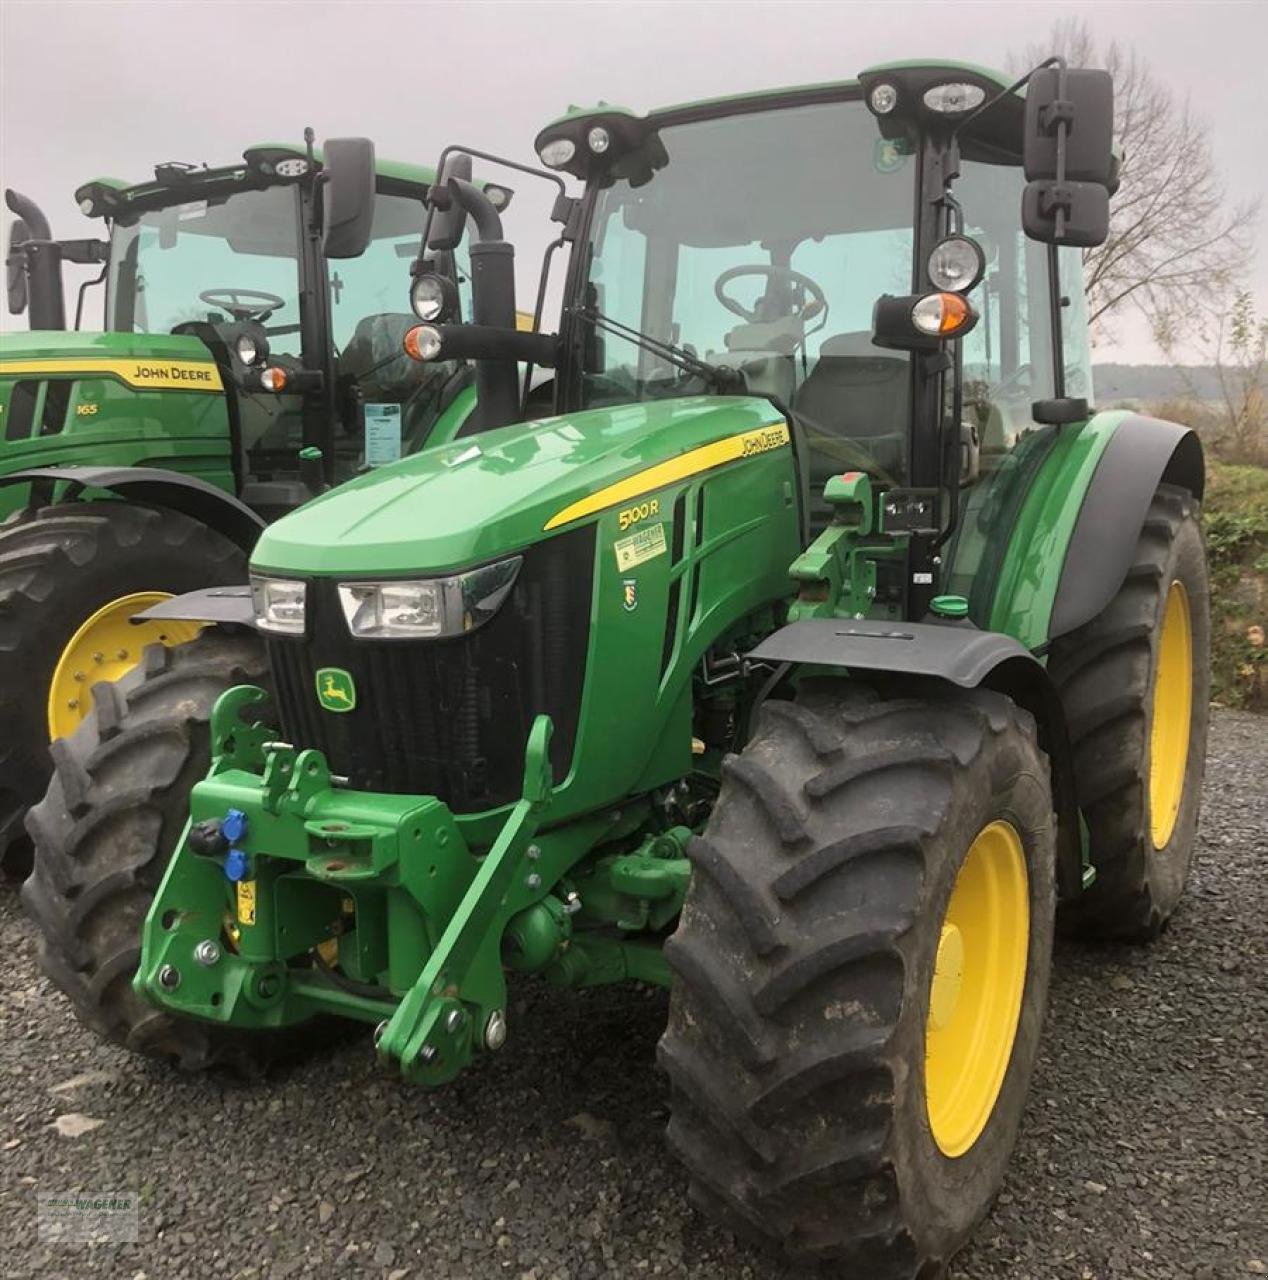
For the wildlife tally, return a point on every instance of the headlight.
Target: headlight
(556, 153)
(279, 605)
(956, 264)
(433, 297)
(250, 349)
(884, 99)
(952, 99)
(599, 139)
(427, 609)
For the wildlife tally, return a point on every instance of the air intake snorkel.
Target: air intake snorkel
(453, 200)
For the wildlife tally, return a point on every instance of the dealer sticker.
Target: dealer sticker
(382, 434)
(640, 547)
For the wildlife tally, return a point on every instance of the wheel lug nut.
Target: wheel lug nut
(495, 1030)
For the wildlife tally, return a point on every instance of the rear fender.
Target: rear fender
(1142, 454)
(957, 654)
(154, 487)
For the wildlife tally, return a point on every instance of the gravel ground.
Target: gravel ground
(1143, 1152)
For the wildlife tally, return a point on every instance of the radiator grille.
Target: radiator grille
(449, 717)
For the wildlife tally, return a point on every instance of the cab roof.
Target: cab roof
(107, 195)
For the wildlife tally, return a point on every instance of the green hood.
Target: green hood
(492, 494)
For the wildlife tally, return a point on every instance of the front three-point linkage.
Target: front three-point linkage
(449, 1011)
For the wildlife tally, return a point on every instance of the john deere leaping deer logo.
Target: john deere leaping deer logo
(336, 690)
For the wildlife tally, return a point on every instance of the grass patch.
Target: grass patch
(1235, 517)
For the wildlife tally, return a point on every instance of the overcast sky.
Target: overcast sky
(114, 86)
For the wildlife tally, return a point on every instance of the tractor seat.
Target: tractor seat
(374, 343)
(854, 407)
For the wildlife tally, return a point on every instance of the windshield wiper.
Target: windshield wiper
(720, 378)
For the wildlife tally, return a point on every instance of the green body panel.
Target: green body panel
(108, 422)
(1040, 536)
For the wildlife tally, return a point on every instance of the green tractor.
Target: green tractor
(820, 646)
(250, 356)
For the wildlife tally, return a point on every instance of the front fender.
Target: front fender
(155, 487)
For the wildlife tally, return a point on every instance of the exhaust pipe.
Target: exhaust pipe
(40, 257)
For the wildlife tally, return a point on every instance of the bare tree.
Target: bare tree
(1172, 232)
(1233, 339)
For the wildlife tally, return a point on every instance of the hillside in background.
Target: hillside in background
(1156, 382)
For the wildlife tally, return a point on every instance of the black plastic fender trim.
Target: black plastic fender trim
(156, 487)
(215, 605)
(1142, 454)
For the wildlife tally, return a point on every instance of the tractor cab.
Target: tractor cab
(766, 245)
(303, 316)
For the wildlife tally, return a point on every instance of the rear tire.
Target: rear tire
(57, 569)
(1107, 673)
(804, 963)
(105, 832)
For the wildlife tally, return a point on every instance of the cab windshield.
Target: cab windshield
(760, 245)
(164, 261)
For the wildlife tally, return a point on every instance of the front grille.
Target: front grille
(449, 718)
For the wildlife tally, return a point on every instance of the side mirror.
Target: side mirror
(449, 218)
(1084, 204)
(347, 196)
(15, 267)
(1068, 156)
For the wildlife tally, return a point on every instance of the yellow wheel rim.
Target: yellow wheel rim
(106, 647)
(1172, 716)
(975, 994)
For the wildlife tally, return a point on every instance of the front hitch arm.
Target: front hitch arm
(458, 1003)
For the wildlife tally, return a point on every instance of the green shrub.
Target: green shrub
(1235, 517)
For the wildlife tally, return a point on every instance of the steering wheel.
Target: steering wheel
(785, 275)
(243, 304)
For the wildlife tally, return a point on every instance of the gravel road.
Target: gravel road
(1144, 1151)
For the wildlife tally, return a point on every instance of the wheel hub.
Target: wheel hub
(948, 977)
(106, 647)
(976, 989)
(1172, 715)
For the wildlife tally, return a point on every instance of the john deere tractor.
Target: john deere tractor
(821, 646)
(250, 356)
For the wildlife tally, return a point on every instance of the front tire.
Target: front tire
(104, 834)
(813, 974)
(70, 577)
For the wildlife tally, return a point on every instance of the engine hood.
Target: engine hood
(489, 495)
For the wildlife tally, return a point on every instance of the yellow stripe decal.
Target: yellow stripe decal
(144, 375)
(745, 445)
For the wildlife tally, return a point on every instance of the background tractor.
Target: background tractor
(820, 646)
(250, 355)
